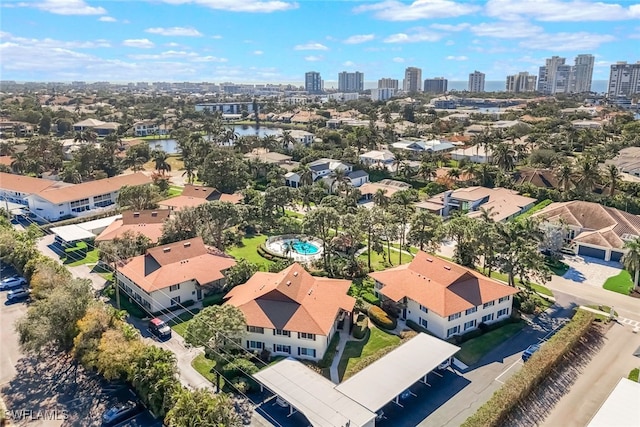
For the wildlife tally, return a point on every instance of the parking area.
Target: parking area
(590, 271)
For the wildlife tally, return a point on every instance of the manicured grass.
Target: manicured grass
(538, 207)
(375, 341)
(174, 191)
(179, 323)
(293, 214)
(90, 258)
(557, 267)
(412, 249)
(205, 367)
(377, 260)
(621, 283)
(472, 351)
(80, 255)
(249, 251)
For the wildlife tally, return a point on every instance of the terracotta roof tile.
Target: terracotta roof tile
(148, 223)
(24, 184)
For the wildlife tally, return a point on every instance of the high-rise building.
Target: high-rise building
(435, 85)
(313, 82)
(412, 79)
(521, 82)
(388, 83)
(382, 94)
(476, 81)
(350, 82)
(582, 74)
(547, 75)
(624, 79)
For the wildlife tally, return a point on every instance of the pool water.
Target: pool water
(304, 248)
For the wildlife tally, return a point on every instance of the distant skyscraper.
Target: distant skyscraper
(547, 76)
(582, 74)
(388, 83)
(412, 79)
(350, 82)
(435, 85)
(624, 79)
(521, 82)
(313, 82)
(382, 94)
(476, 81)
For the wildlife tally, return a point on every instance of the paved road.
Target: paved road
(583, 399)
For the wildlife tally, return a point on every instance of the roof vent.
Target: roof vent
(310, 291)
(288, 282)
(154, 213)
(165, 250)
(187, 244)
(295, 274)
(136, 214)
(447, 267)
(430, 259)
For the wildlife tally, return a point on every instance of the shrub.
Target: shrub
(326, 360)
(240, 384)
(381, 318)
(371, 298)
(240, 366)
(520, 385)
(361, 328)
(413, 325)
(213, 299)
(633, 375)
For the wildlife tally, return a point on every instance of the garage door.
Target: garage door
(592, 252)
(616, 256)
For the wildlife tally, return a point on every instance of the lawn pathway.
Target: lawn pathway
(345, 337)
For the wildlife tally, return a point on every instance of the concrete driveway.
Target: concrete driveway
(590, 271)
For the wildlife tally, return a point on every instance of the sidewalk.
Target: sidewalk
(345, 337)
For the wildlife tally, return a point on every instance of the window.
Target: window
(503, 299)
(424, 309)
(454, 316)
(488, 304)
(279, 348)
(503, 312)
(453, 331)
(470, 324)
(255, 329)
(302, 351)
(424, 323)
(255, 344)
(78, 203)
(175, 301)
(471, 310)
(174, 287)
(101, 197)
(307, 336)
(282, 332)
(487, 318)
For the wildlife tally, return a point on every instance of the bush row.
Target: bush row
(381, 319)
(371, 298)
(495, 410)
(266, 253)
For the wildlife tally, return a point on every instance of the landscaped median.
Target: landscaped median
(536, 369)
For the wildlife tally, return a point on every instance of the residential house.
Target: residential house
(196, 195)
(389, 186)
(98, 126)
(542, 178)
(420, 146)
(442, 297)
(378, 158)
(149, 223)
(149, 127)
(324, 169)
(172, 275)
(475, 154)
(292, 313)
(17, 188)
(501, 203)
(627, 161)
(301, 137)
(593, 230)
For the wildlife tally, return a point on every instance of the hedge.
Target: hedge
(213, 299)
(371, 298)
(494, 412)
(266, 253)
(361, 327)
(381, 318)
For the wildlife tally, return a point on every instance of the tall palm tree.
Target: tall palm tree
(340, 179)
(504, 157)
(613, 176)
(588, 174)
(20, 162)
(160, 160)
(306, 175)
(631, 260)
(564, 174)
(267, 142)
(380, 198)
(399, 158)
(454, 174)
(6, 149)
(427, 170)
(287, 139)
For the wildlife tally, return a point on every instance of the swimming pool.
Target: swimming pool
(304, 248)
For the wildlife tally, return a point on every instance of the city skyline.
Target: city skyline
(272, 41)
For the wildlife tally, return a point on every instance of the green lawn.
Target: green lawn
(355, 350)
(293, 214)
(377, 260)
(179, 323)
(249, 251)
(174, 191)
(622, 283)
(80, 255)
(534, 286)
(472, 351)
(557, 267)
(205, 367)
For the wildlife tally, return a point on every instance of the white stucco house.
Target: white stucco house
(378, 158)
(324, 169)
(292, 313)
(442, 297)
(419, 146)
(476, 154)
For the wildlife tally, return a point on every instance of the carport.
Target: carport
(69, 234)
(386, 379)
(313, 395)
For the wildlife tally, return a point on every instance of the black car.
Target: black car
(121, 412)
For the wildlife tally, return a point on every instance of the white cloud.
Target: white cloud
(398, 59)
(258, 52)
(139, 43)
(209, 59)
(561, 11)
(360, 38)
(414, 36)
(165, 55)
(255, 6)
(310, 46)
(217, 37)
(107, 19)
(313, 58)
(349, 64)
(449, 27)
(66, 7)
(172, 44)
(456, 58)
(175, 31)
(559, 42)
(392, 10)
(506, 30)
(52, 43)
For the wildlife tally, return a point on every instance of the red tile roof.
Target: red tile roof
(24, 184)
(292, 300)
(148, 223)
(442, 286)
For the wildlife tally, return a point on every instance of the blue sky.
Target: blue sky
(279, 40)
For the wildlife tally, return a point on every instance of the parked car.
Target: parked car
(529, 351)
(18, 294)
(12, 283)
(160, 329)
(121, 412)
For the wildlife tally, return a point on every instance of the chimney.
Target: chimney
(288, 282)
(154, 213)
(447, 267)
(295, 274)
(165, 250)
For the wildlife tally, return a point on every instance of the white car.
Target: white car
(12, 283)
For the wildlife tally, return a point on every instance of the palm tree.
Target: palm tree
(70, 174)
(427, 170)
(6, 149)
(631, 260)
(613, 176)
(588, 174)
(380, 198)
(399, 159)
(406, 170)
(454, 174)
(564, 175)
(160, 159)
(267, 142)
(306, 175)
(20, 162)
(287, 139)
(504, 157)
(340, 179)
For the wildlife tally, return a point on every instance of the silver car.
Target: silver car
(12, 283)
